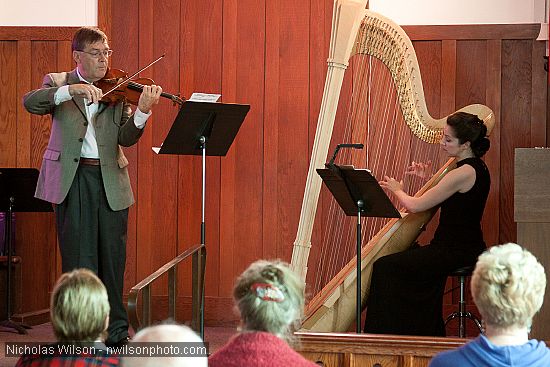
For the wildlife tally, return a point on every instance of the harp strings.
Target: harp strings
(373, 117)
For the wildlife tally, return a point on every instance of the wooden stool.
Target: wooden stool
(461, 314)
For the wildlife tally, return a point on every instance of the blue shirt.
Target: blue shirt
(480, 352)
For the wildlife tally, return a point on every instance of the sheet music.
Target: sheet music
(351, 166)
(204, 97)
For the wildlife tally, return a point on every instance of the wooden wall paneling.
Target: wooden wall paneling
(448, 77)
(491, 222)
(124, 41)
(35, 236)
(36, 33)
(189, 181)
(471, 74)
(248, 145)
(146, 241)
(23, 119)
(8, 105)
(473, 31)
(515, 124)
(166, 73)
(37, 246)
(207, 78)
(36, 231)
(227, 245)
(271, 194)
(539, 83)
(104, 15)
(293, 131)
(164, 221)
(188, 198)
(429, 55)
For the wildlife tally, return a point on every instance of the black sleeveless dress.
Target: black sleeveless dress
(407, 288)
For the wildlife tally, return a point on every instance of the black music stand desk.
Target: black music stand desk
(17, 186)
(202, 124)
(358, 194)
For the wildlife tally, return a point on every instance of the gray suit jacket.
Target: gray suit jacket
(113, 126)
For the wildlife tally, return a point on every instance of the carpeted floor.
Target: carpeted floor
(214, 336)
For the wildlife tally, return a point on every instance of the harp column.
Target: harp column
(346, 18)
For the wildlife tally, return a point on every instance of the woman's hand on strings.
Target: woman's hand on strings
(419, 169)
(391, 184)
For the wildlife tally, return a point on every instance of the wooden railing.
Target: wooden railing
(197, 297)
(348, 350)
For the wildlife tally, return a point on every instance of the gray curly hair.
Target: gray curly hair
(508, 286)
(270, 297)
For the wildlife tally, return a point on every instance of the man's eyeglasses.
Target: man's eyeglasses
(96, 54)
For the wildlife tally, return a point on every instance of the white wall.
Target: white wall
(407, 12)
(404, 12)
(48, 12)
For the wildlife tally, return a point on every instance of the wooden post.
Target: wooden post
(532, 215)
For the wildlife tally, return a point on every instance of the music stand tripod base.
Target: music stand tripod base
(17, 186)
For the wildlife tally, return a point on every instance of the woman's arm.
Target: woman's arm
(460, 179)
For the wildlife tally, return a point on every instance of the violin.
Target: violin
(117, 87)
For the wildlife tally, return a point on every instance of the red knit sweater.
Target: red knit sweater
(257, 349)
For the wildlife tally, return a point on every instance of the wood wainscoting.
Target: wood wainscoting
(351, 350)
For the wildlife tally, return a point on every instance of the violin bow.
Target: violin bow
(132, 76)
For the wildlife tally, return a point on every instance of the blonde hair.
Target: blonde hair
(270, 297)
(508, 286)
(79, 307)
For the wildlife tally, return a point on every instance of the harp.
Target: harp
(386, 108)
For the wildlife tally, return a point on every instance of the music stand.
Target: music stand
(197, 125)
(17, 186)
(358, 193)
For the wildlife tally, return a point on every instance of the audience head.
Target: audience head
(79, 307)
(508, 286)
(166, 334)
(270, 298)
(470, 128)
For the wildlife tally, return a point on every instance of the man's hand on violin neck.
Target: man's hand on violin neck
(88, 91)
(149, 97)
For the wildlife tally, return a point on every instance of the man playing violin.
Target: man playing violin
(84, 171)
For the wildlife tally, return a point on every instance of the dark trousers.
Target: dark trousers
(93, 236)
(406, 292)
